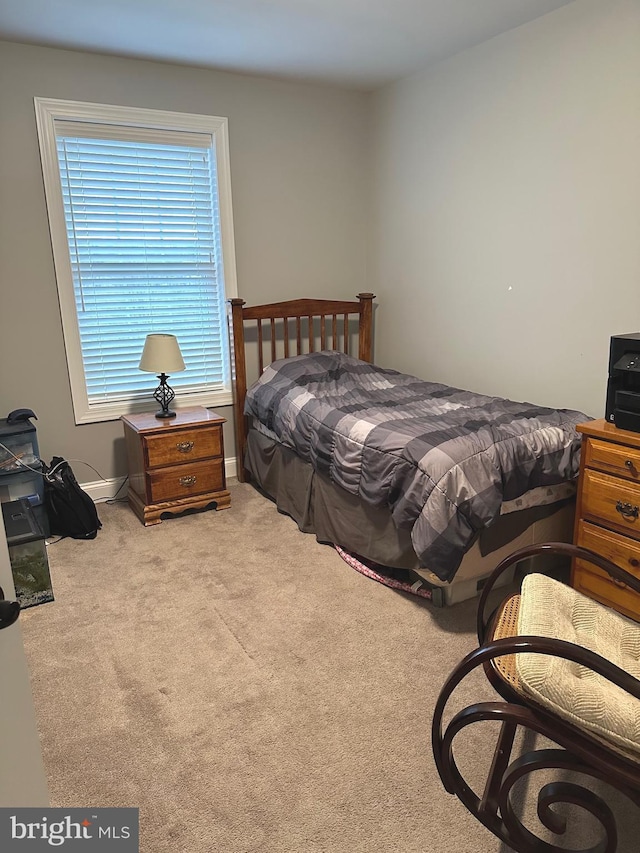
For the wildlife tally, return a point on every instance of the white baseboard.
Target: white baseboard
(104, 490)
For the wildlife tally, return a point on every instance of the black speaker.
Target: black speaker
(623, 385)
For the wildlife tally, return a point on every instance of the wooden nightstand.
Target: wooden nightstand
(175, 464)
(607, 512)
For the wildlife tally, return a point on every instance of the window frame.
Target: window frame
(48, 111)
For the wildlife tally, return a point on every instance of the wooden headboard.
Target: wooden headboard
(289, 326)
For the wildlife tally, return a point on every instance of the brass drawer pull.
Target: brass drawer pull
(188, 481)
(185, 446)
(627, 510)
(620, 584)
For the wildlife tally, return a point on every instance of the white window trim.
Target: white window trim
(48, 111)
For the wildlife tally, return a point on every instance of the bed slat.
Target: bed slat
(273, 339)
(260, 357)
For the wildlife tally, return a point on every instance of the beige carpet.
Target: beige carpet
(246, 689)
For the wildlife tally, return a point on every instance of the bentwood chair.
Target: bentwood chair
(565, 667)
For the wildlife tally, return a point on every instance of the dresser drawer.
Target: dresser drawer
(182, 481)
(611, 501)
(591, 580)
(618, 549)
(613, 458)
(185, 445)
(599, 586)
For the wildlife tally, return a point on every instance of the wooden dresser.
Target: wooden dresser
(175, 464)
(608, 512)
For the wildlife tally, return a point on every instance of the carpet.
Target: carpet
(248, 691)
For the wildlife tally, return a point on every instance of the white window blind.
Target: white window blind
(142, 216)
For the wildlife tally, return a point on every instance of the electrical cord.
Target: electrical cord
(48, 474)
(115, 499)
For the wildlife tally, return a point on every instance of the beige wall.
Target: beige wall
(507, 209)
(504, 191)
(299, 182)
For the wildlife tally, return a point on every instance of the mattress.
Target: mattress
(335, 516)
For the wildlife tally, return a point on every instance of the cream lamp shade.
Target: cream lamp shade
(161, 354)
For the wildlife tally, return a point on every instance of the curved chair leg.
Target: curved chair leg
(494, 809)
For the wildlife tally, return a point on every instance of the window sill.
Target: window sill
(113, 411)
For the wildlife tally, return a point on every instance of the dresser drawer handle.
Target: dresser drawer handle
(185, 446)
(633, 561)
(620, 584)
(627, 510)
(188, 481)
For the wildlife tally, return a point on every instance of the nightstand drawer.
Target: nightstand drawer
(181, 481)
(613, 458)
(184, 446)
(611, 501)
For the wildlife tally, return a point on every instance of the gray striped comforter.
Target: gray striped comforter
(441, 459)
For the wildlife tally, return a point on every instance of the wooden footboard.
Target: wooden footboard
(283, 329)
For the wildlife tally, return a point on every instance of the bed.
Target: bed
(399, 472)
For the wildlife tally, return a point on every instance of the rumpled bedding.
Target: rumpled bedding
(441, 459)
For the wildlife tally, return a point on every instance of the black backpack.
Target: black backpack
(70, 510)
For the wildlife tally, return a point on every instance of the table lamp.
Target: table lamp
(161, 355)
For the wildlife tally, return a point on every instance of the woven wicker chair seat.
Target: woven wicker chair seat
(506, 625)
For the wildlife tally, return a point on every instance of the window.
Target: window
(139, 205)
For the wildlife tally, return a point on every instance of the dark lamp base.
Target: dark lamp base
(164, 395)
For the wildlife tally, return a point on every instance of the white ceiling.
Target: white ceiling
(359, 43)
